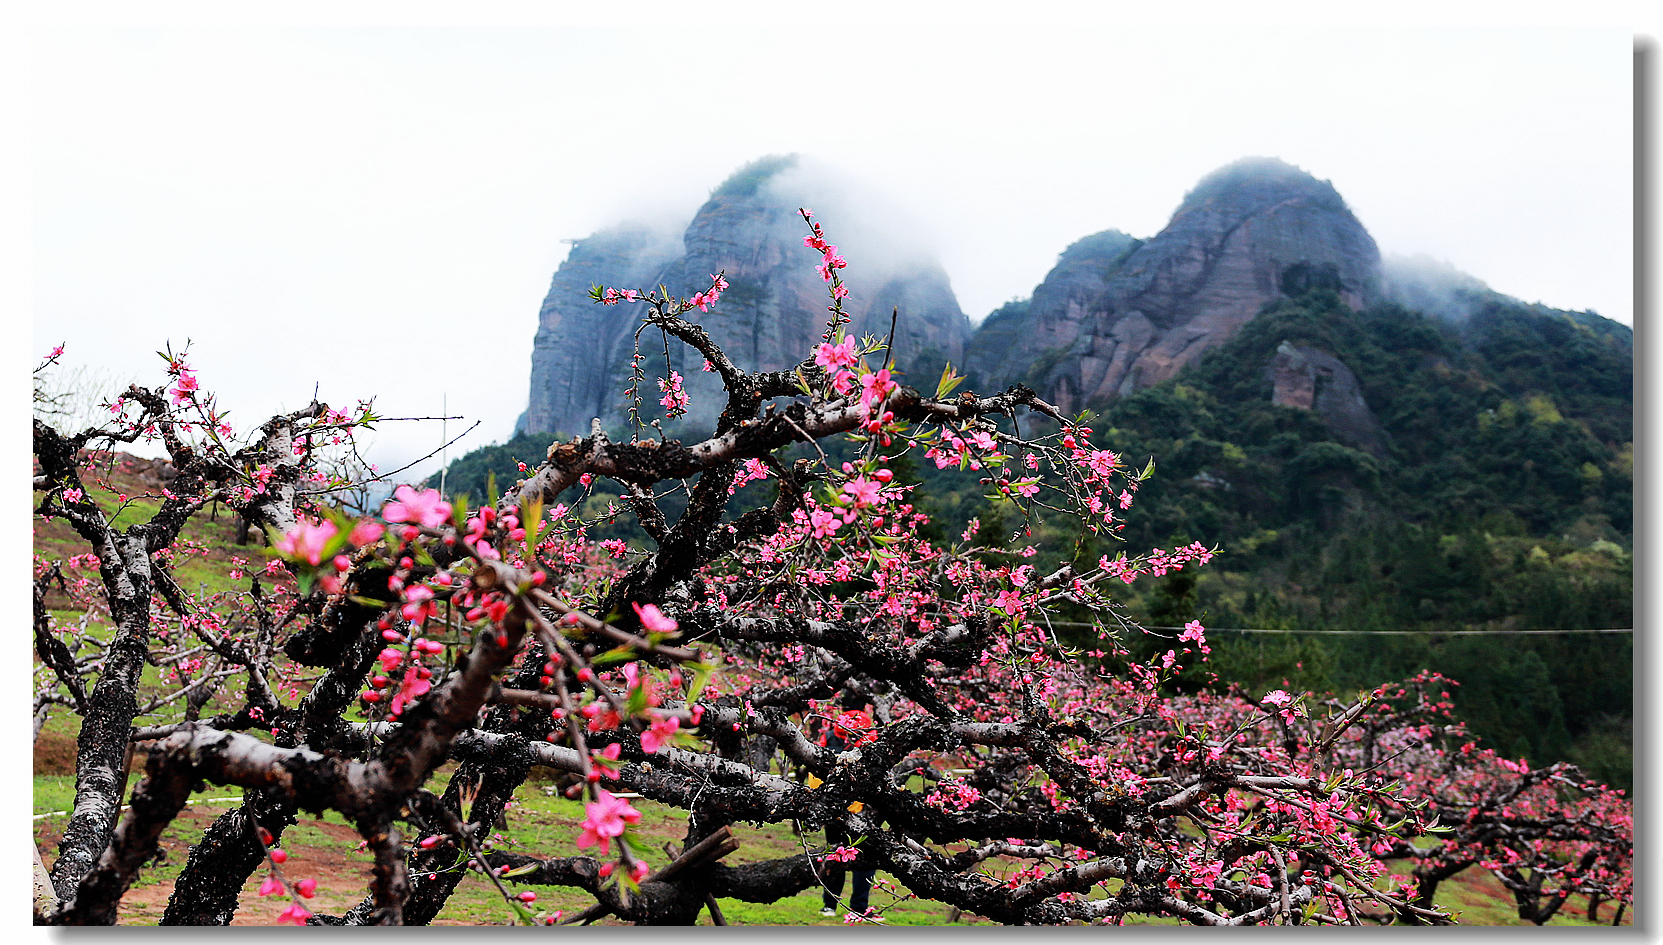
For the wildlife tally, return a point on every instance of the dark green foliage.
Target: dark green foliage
(1505, 501)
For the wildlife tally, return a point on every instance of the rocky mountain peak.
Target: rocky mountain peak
(1255, 184)
(773, 310)
(1117, 315)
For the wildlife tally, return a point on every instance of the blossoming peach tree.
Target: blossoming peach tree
(996, 769)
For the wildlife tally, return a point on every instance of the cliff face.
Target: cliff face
(771, 315)
(580, 354)
(1117, 315)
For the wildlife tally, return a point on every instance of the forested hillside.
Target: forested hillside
(1503, 501)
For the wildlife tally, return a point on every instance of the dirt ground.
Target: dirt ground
(340, 883)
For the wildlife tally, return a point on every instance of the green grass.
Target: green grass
(545, 825)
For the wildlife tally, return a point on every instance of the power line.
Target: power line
(1394, 633)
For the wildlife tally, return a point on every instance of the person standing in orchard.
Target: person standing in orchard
(851, 729)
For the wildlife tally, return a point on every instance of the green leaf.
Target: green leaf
(618, 654)
(531, 519)
(637, 701)
(523, 870)
(948, 381)
(702, 672)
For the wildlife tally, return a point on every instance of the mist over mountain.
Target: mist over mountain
(1423, 284)
(775, 306)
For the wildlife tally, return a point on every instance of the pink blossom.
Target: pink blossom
(426, 508)
(841, 354)
(185, 386)
(608, 817)
(306, 888)
(654, 619)
(411, 688)
(607, 758)
(1277, 697)
(1193, 631)
(418, 604)
(296, 913)
(306, 540)
(270, 885)
(674, 399)
(875, 387)
(658, 734)
(824, 523)
(843, 382)
(366, 532)
(863, 491)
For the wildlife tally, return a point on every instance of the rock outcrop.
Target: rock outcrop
(1307, 378)
(1117, 315)
(774, 310)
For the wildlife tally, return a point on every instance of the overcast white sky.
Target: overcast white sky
(313, 205)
